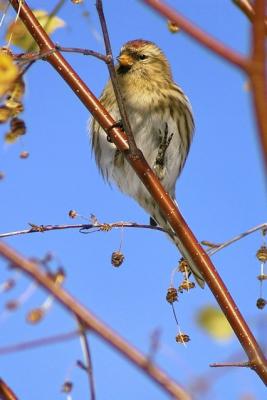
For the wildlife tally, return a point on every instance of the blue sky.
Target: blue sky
(221, 193)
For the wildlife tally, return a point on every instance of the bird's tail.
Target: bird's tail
(163, 223)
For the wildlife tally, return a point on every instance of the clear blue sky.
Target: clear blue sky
(221, 193)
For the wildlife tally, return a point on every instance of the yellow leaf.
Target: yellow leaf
(20, 36)
(213, 321)
(8, 72)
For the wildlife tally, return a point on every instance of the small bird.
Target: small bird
(161, 119)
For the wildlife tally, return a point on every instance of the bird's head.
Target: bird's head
(143, 58)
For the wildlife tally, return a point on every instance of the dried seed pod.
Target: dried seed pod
(105, 227)
(182, 338)
(24, 154)
(173, 27)
(262, 253)
(35, 316)
(184, 266)
(2, 175)
(262, 277)
(171, 295)
(73, 214)
(117, 258)
(67, 387)
(261, 303)
(12, 305)
(186, 285)
(77, 1)
(8, 285)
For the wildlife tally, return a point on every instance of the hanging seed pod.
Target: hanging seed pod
(73, 214)
(67, 387)
(173, 27)
(186, 285)
(262, 253)
(2, 175)
(35, 316)
(184, 266)
(182, 338)
(117, 258)
(24, 154)
(171, 295)
(261, 303)
(262, 277)
(12, 305)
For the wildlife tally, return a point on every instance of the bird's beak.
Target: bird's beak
(125, 60)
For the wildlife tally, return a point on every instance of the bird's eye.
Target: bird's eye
(142, 57)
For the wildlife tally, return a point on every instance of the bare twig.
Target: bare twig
(246, 7)
(196, 33)
(231, 364)
(189, 246)
(133, 150)
(94, 324)
(238, 237)
(82, 227)
(88, 359)
(14, 348)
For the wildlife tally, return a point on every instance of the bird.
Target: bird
(162, 123)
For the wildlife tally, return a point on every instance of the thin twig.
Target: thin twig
(133, 150)
(22, 346)
(231, 364)
(88, 359)
(238, 237)
(246, 7)
(85, 52)
(196, 33)
(82, 227)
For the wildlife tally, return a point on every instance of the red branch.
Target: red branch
(196, 33)
(189, 246)
(92, 323)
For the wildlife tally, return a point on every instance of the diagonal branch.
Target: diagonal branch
(196, 33)
(189, 246)
(94, 324)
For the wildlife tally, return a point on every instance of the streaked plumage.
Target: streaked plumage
(158, 110)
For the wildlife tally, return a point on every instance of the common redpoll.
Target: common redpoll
(161, 119)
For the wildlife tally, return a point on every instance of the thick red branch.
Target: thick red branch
(189, 246)
(92, 323)
(196, 33)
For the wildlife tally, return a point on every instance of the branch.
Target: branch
(88, 359)
(133, 150)
(258, 73)
(82, 227)
(92, 323)
(189, 246)
(197, 34)
(5, 392)
(38, 342)
(248, 10)
(221, 246)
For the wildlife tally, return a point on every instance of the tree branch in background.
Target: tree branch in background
(92, 323)
(246, 7)
(189, 246)
(197, 34)
(88, 366)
